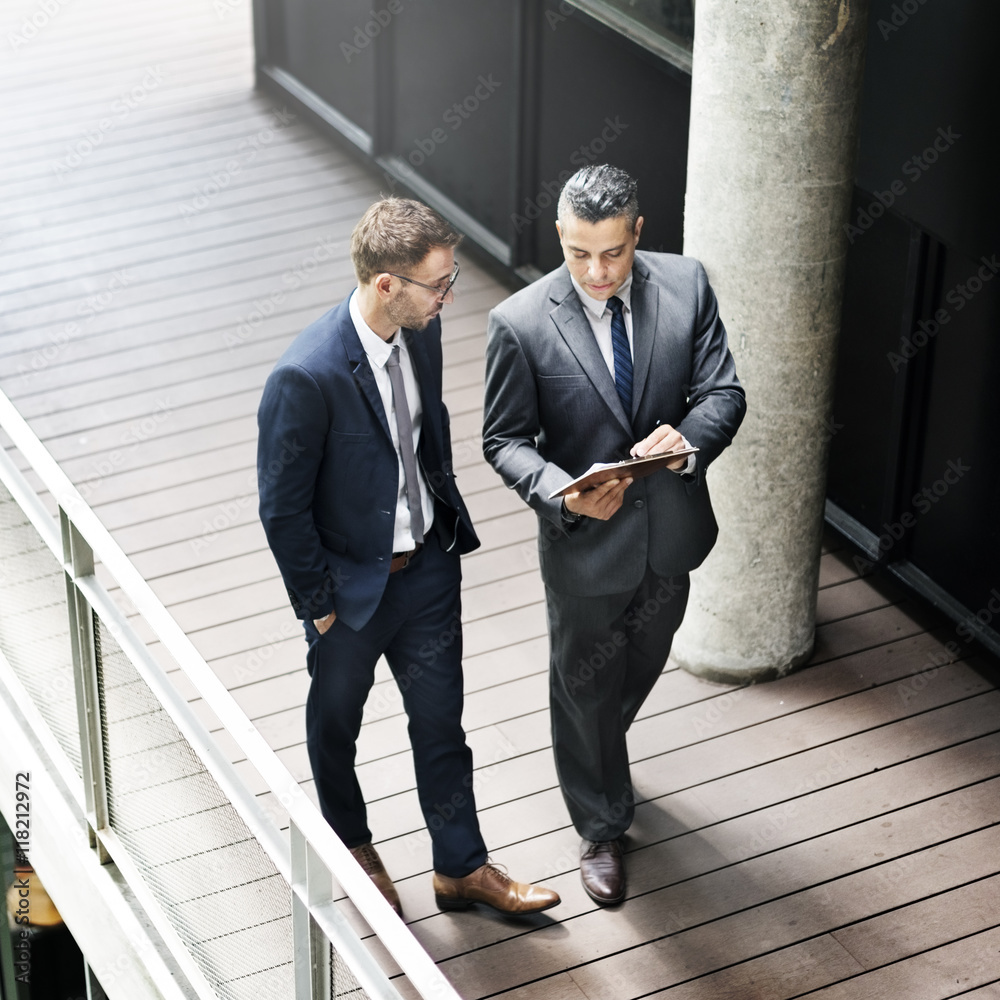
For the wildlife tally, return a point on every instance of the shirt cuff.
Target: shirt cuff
(687, 469)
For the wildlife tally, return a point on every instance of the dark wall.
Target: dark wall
(914, 458)
(492, 106)
(929, 116)
(329, 48)
(454, 100)
(605, 101)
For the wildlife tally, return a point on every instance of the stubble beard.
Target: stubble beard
(405, 314)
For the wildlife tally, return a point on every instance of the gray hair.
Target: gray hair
(601, 192)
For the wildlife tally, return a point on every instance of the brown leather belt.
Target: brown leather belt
(401, 559)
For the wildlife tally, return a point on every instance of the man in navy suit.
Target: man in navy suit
(616, 353)
(361, 511)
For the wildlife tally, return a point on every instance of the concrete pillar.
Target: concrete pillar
(774, 104)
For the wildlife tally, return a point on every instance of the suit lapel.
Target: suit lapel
(576, 331)
(645, 302)
(357, 359)
(429, 428)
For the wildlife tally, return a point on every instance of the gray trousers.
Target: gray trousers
(605, 656)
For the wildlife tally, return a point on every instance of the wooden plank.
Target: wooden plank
(761, 829)
(158, 135)
(700, 908)
(727, 837)
(851, 803)
(834, 568)
(869, 630)
(301, 169)
(853, 597)
(946, 913)
(807, 765)
(810, 727)
(606, 952)
(192, 584)
(948, 971)
(90, 329)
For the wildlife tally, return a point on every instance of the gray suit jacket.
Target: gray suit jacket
(551, 411)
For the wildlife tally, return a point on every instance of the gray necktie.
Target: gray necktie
(405, 428)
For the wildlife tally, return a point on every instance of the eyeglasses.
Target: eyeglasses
(441, 292)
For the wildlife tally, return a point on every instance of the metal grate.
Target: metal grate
(34, 624)
(220, 890)
(343, 985)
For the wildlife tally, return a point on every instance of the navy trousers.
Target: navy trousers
(417, 626)
(606, 654)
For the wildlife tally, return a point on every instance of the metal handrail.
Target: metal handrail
(321, 843)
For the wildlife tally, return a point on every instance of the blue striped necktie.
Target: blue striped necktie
(622, 355)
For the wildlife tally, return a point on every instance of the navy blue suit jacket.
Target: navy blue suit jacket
(327, 472)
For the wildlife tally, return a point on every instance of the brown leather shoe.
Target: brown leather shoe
(493, 887)
(602, 871)
(371, 864)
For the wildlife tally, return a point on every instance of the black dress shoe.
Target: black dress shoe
(602, 871)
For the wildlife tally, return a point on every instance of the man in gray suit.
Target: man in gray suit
(616, 353)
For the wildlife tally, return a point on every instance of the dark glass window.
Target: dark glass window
(660, 24)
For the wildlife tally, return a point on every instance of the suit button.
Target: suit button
(639, 504)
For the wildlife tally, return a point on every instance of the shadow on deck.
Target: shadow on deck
(835, 831)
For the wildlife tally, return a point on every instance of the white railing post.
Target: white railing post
(314, 866)
(313, 979)
(78, 561)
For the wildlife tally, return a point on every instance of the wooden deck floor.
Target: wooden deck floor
(164, 233)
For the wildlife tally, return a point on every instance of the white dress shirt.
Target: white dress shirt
(599, 316)
(378, 351)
